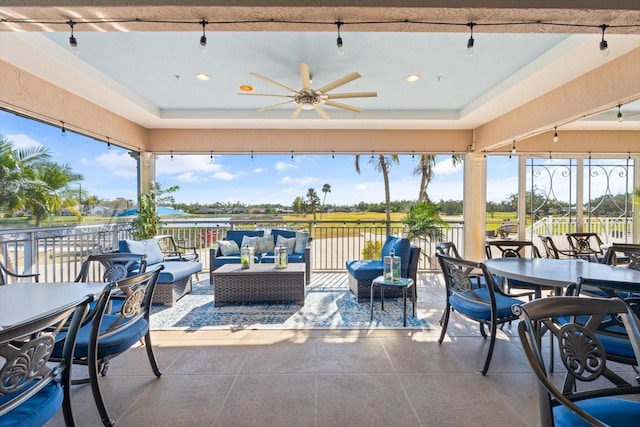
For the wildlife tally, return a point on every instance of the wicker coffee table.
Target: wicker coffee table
(260, 283)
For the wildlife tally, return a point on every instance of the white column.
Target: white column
(146, 170)
(636, 211)
(522, 197)
(580, 194)
(475, 206)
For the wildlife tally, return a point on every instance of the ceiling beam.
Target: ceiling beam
(614, 83)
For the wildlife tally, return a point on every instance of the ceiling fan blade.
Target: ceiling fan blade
(305, 75)
(340, 82)
(320, 111)
(344, 106)
(295, 113)
(275, 105)
(273, 82)
(352, 95)
(265, 94)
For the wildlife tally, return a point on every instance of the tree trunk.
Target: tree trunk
(387, 191)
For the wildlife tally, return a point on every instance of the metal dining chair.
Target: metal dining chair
(33, 386)
(5, 274)
(104, 336)
(586, 246)
(552, 251)
(515, 249)
(592, 393)
(486, 304)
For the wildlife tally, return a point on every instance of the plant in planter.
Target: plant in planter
(424, 222)
(146, 224)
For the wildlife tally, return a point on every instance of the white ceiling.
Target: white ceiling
(149, 77)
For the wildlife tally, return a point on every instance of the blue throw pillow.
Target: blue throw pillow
(302, 237)
(150, 247)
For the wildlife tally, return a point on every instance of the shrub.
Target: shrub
(371, 249)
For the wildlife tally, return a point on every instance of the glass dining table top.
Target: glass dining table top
(23, 301)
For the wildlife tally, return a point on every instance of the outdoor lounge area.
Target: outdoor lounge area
(323, 377)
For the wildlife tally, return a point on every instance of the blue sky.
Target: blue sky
(111, 172)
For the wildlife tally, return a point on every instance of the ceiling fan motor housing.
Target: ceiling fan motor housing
(306, 101)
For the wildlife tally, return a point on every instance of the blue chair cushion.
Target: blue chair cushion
(479, 311)
(237, 235)
(365, 269)
(177, 270)
(233, 259)
(609, 410)
(401, 248)
(36, 411)
(150, 247)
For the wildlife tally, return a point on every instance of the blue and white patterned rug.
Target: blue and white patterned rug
(323, 309)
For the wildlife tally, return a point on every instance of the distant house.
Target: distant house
(210, 211)
(99, 211)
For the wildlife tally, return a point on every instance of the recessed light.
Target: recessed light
(413, 77)
(246, 88)
(202, 76)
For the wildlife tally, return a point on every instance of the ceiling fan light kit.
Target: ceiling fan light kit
(313, 99)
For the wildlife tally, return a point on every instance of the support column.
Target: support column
(580, 195)
(475, 206)
(636, 212)
(146, 170)
(522, 197)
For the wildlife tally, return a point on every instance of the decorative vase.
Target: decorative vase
(246, 257)
(391, 267)
(281, 257)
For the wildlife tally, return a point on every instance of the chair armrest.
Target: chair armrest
(36, 276)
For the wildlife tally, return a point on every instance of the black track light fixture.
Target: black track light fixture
(63, 129)
(73, 42)
(620, 119)
(604, 46)
(339, 39)
(555, 134)
(469, 52)
(203, 38)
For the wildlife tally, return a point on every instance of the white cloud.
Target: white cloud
(22, 141)
(119, 163)
(259, 170)
(181, 164)
(224, 176)
(446, 167)
(283, 166)
(190, 177)
(298, 181)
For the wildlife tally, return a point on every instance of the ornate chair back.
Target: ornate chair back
(32, 384)
(5, 274)
(591, 392)
(586, 245)
(111, 267)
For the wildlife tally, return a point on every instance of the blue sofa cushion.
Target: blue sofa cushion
(610, 410)
(287, 234)
(36, 411)
(148, 246)
(176, 270)
(365, 269)
(237, 235)
(292, 258)
(401, 248)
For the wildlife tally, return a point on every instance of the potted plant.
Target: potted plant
(146, 224)
(424, 223)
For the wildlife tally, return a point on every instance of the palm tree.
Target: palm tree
(46, 200)
(382, 164)
(425, 167)
(312, 201)
(18, 174)
(325, 189)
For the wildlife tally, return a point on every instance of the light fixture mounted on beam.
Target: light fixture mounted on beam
(203, 38)
(555, 134)
(604, 46)
(469, 52)
(73, 42)
(620, 119)
(339, 39)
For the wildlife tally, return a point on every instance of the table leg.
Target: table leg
(404, 306)
(371, 301)
(382, 298)
(413, 286)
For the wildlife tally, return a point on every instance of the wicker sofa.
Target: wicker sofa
(362, 272)
(175, 279)
(300, 255)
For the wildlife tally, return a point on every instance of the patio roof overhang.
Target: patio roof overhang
(595, 89)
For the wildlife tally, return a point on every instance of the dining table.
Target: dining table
(557, 273)
(20, 302)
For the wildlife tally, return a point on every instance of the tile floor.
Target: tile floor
(321, 378)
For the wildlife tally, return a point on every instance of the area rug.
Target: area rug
(323, 309)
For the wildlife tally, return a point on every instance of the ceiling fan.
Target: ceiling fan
(313, 99)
